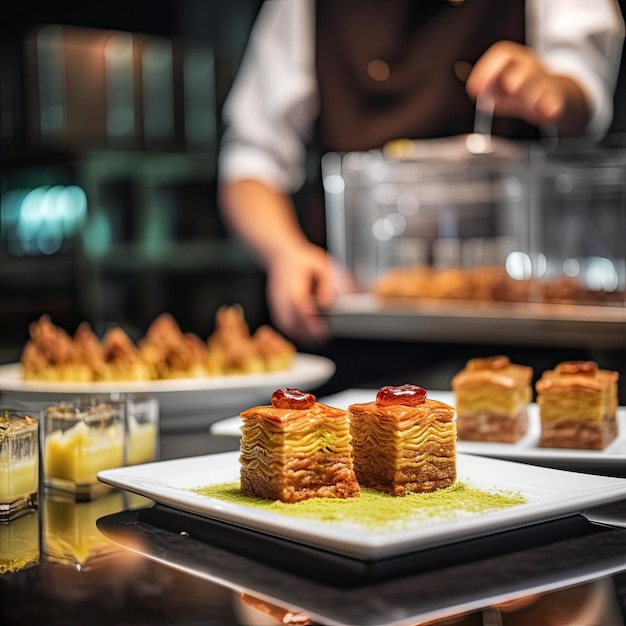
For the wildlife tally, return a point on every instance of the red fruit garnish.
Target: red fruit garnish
(577, 367)
(407, 395)
(288, 398)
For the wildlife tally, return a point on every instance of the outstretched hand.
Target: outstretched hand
(299, 287)
(523, 87)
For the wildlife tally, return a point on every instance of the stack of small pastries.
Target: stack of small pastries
(485, 283)
(491, 397)
(298, 448)
(403, 442)
(165, 352)
(577, 403)
(577, 406)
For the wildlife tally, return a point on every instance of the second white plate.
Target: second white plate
(612, 458)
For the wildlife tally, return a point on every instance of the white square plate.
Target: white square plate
(550, 494)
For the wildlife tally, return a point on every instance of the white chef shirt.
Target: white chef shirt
(270, 111)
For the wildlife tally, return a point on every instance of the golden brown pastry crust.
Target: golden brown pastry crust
(165, 352)
(296, 454)
(123, 360)
(577, 406)
(402, 449)
(50, 354)
(490, 283)
(491, 399)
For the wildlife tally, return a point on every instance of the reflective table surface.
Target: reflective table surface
(121, 559)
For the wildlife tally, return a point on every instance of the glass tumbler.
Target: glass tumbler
(19, 463)
(82, 438)
(142, 429)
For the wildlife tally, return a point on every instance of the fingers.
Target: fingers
(298, 288)
(521, 85)
(488, 69)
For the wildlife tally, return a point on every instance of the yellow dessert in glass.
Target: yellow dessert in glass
(19, 462)
(142, 429)
(82, 439)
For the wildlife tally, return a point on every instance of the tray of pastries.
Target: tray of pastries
(191, 376)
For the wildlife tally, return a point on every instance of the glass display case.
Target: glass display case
(523, 243)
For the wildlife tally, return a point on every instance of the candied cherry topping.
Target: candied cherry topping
(488, 363)
(289, 398)
(407, 395)
(577, 367)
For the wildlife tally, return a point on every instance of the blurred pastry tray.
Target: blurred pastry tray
(365, 315)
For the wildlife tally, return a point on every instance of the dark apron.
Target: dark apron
(389, 69)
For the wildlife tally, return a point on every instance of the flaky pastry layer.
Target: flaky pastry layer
(295, 454)
(400, 450)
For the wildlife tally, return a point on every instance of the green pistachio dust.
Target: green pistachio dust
(376, 511)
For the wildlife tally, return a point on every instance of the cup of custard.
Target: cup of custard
(82, 438)
(19, 463)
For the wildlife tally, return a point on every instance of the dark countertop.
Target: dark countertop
(121, 560)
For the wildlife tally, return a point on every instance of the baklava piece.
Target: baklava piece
(403, 442)
(491, 398)
(172, 353)
(277, 352)
(577, 406)
(51, 355)
(90, 349)
(123, 361)
(230, 346)
(296, 449)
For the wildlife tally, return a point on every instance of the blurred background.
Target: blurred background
(109, 126)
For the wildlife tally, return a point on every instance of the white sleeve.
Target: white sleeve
(582, 39)
(270, 110)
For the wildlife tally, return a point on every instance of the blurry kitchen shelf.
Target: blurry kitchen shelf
(203, 254)
(158, 166)
(35, 269)
(364, 316)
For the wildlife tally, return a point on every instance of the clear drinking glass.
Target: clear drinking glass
(19, 463)
(142, 429)
(82, 438)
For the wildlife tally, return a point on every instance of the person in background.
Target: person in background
(355, 74)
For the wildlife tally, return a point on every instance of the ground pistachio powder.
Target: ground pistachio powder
(377, 511)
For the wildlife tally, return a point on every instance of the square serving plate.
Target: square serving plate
(550, 494)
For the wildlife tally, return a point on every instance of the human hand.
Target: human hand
(523, 87)
(300, 284)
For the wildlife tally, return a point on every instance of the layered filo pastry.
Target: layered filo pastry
(577, 406)
(491, 397)
(295, 449)
(403, 442)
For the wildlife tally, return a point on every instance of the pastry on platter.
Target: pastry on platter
(295, 449)
(50, 355)
(577, 406)
(276, 352)
(233, 350)
(90, 350)
(172, 353)
(491, 399)
(403, 442)
(165, 352)
(230, 346)
(122, 358)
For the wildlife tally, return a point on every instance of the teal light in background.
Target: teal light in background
(97, 235)
(39, 220)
